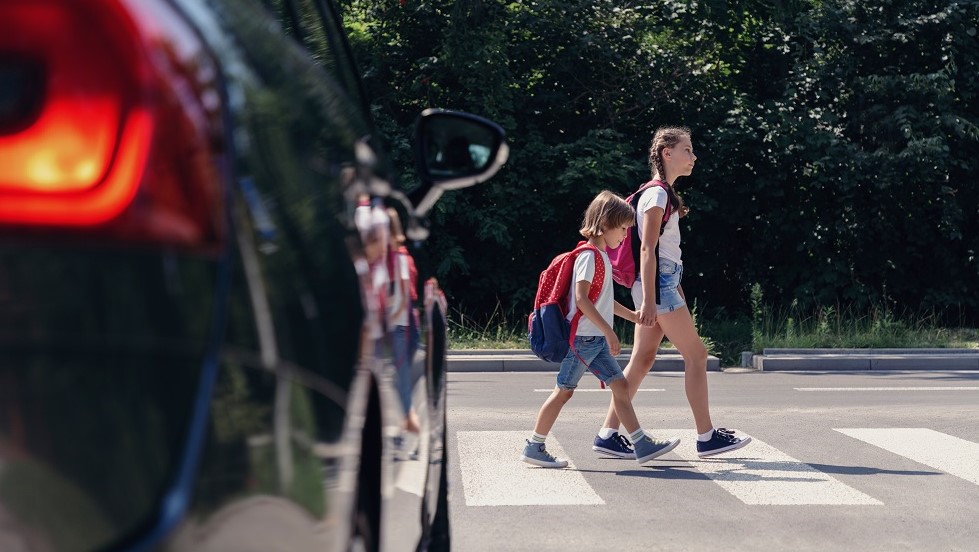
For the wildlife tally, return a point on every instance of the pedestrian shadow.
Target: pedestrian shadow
(665, 472)
(746, 469)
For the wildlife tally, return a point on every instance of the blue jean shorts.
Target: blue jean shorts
(670, 299)
(593, 349)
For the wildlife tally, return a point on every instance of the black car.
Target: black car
(188, 349)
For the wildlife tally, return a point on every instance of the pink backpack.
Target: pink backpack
(625, 257)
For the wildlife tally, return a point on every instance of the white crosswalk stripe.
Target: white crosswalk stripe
(494, 475)
(760, 474)
(943, 452)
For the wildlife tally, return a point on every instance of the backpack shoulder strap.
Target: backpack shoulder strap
(597, 282)
(669, 204)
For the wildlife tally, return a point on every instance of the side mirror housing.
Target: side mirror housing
(454, 150)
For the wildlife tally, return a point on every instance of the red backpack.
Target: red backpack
(625, 257)
(412, 272)
(550, 333)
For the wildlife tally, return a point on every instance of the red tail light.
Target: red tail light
(109, 122)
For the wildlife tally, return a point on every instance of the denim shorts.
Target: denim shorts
(670, 300)
(593, 349)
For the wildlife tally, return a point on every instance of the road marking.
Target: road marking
(590, 390)
(412, 473)
(494, 475)
(932, 448)
(887, 388)
(760, 474)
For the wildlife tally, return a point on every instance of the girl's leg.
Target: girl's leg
(550, 410)
(679, 329)
(647, 340)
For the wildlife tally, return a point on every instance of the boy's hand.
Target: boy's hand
(614, 346)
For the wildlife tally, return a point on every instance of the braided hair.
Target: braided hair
(666, 137)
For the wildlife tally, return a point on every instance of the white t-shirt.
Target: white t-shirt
(584, 271)
(669, 241)
(400, 274)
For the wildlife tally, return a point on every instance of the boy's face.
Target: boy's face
(615, 235)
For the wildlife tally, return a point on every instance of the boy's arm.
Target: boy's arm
(622, 312)
(587, 308)
(589, 311)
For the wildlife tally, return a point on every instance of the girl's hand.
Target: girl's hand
(614, 346)
(684, 211)
(647, 314)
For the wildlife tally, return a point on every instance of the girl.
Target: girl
(661, 305)
(607, 220)
(402, 318)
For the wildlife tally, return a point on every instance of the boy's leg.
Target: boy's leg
(551, 409)
(646, 448)
(622, 403)
(567, 380)
(647, 340)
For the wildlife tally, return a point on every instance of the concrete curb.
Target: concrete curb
(865, 359)
(773, 360)
(522, 360)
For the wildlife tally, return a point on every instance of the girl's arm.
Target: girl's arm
(652, 220)
(403, 283)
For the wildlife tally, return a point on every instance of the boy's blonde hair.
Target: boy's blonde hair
(606, 211)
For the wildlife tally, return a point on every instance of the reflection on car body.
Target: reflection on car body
(186, 356)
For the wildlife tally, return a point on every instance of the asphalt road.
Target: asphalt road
(839, 461)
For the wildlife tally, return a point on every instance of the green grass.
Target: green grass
(727, 335)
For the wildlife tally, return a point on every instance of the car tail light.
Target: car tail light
(110, 123)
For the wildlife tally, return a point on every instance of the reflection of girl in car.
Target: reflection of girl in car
(402, 318)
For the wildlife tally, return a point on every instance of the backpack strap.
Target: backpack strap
(594, 291)
(637, 239)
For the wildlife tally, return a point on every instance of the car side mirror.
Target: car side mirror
(454, 150)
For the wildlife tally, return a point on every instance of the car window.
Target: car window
(316, 25)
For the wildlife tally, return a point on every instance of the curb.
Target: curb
(772, 360)
(522, 360)
(781, 360)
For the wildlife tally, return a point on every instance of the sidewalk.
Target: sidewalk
(771, 360)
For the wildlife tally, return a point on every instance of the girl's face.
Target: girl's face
(615, 235)
(680, 159)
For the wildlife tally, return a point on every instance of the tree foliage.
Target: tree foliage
(837, 140)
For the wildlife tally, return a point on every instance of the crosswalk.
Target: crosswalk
(760, 474)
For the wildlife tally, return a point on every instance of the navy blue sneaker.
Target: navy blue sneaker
(723, 440)
(616, 445)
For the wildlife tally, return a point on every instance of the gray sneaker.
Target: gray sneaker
(648, 448)
(536, 454)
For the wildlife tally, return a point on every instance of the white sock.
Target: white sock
(606, 432)
(637, 435)
(537, 438)
(704, 437)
